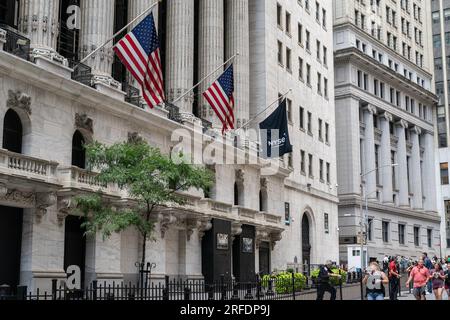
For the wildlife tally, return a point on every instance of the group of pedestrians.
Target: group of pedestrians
(426, 276)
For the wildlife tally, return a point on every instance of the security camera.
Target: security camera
(337, 186)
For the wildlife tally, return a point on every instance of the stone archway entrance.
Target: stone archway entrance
(306, 240)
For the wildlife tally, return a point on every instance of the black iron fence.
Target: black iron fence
(81, 72)
(263, 288)
(16, 43)
(132, 94)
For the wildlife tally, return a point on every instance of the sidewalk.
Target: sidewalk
(409, 296)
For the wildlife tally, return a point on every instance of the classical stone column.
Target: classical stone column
(416, 172)
(429, 173)
(39, 20)
(180, 52)
(402, 164)
(97, 27)
(211, 50)
(369, 152)
(136, 7)
(237, 41)
(386, 162)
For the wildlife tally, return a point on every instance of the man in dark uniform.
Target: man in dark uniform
(323, 281)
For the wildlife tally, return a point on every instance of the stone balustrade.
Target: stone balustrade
(27, 167)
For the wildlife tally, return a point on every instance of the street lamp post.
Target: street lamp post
(363, 222)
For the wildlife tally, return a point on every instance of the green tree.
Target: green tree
(151, 179)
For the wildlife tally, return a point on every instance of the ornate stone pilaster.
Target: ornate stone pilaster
(429, 185)
(211, 50)
(402, 164)
(97, 28)
(19, 100)
(39, 20)
(386, 161)
(2, 38)
(416, 172)
(369, 152)
(237, 41)
(180, 52)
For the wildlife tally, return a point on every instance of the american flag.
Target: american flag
(220, 96)
(139, 52)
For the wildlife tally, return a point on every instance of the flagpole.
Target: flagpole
(255, 117)
(117, 33)
(206, 77)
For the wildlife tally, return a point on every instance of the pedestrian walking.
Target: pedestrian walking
(394, 279)
(447, 278)
(374, 281)
(324, 284)
(438, 280)
(420, 275)
(429, 265)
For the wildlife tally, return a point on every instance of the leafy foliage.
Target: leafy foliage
(333, 280)
(150, 178)
(282, 282)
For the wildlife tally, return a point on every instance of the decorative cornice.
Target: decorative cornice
(416, 130)
(18, 99)
(44, 201)
(370, 109)
(239, 175)
(205, 225)
(389, 117)
(165, 220)
(134, 137)
(65, 206)
(20, 198)
(84, 122)
(402, 123)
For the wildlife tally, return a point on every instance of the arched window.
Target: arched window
(78, 151)
(236, 194)
(12, 132)
(262, 200)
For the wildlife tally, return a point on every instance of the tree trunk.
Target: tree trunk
(144, 242)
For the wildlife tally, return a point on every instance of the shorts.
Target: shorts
(420, 291)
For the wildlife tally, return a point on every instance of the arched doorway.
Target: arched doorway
(78, 150)
(12, 132)
(306, 241)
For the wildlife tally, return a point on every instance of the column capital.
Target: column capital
(370, 108)
(417, 130)
(402, 123)
(387, 116)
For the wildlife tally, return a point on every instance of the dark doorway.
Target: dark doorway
(12, 132)
(216, 252)
(75, 244)
(68, 39)
(10, 245)
(78, 151)
(236, 194)
(264, 258)
(119, 71)
(244, 255)
(306, 242)
(9, 12)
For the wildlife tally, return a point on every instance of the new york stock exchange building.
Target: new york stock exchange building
(51, 105)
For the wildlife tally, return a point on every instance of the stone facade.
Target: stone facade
(385, 112)
(439, 10)
(42, 182)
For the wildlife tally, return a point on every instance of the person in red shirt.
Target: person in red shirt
(420, 275)
(394, 279)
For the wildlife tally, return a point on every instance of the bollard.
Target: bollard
(5, 291)
(340, 284)
(293, 286)
(235, 296)
(54, 288)
(223, 288)
(210, 292)
(187, 294)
